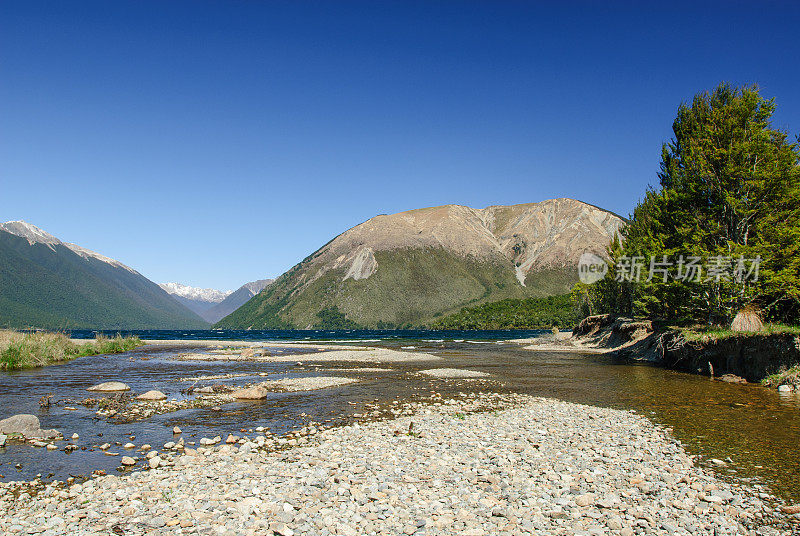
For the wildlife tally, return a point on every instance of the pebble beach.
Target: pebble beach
(473, 465)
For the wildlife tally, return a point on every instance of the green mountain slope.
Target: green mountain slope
(54, 285)
(409, 269)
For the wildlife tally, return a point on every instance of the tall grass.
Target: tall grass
(719, 333)
(27, 350)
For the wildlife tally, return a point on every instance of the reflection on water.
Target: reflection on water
(759, 429)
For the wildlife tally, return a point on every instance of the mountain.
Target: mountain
(235, 300)
(413, 267)
(198, 300)
(213, 305)
(204, 295)
(47, 283)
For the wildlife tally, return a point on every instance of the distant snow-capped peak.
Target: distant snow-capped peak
(29, 232)
(210, 295)
(35, 235)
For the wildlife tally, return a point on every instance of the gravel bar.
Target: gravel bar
(539, 466)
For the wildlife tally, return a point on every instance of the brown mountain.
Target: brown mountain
(411, 267)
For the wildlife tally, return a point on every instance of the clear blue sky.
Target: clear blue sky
(214, 143)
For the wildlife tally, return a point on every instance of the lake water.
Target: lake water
(758, 428)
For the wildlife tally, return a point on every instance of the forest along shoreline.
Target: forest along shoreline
(770, 359)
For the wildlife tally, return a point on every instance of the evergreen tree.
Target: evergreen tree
(729, 189)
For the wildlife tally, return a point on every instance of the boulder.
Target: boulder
(27, 426)
(257, 392)
(791, 509)
(2, 440)
(732, 378)
(109, 387)
(152, 395)
(127, 460)
(154, 462)
(784, 388)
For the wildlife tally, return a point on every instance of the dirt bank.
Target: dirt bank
(752, 356)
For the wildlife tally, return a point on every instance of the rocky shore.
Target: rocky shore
(474, 465)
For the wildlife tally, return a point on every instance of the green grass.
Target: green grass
(785, 377)
(28, 350)
(717, 333)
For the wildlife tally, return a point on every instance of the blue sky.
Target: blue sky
(214, 143)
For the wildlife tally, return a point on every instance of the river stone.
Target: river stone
(2, 440)
(127, 460)
(152, 395)
(732, 378)
(26, 425)
(784, 388)
(109, 387)
(257, 392)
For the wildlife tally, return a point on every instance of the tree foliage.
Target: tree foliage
(729, 186)
(528, 313)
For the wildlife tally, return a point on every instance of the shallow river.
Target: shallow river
(757, 428)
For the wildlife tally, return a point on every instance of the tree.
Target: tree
(729, 189)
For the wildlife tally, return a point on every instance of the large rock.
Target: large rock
(732, 378)
(27, 426)
(2, 440)
(152, 395)
(109, 387)
(257, 392)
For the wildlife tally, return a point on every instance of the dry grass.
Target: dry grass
(749, 320)
(27, 350)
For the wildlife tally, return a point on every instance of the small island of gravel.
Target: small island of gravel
(454, 373)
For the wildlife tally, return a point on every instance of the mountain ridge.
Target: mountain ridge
(48, 283)
(210, 295)
(211, 304)
(236, 299)
(409, 267)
